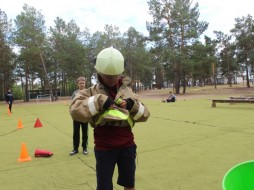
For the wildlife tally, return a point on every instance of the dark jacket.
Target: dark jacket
(9, 97)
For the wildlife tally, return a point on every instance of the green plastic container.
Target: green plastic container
(240, 177)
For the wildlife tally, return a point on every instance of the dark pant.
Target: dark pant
(10, 105)
(171, 100)
(106, 160)
(76, 134)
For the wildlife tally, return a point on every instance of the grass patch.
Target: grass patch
(186, 145)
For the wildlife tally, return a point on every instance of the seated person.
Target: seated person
(171, 98)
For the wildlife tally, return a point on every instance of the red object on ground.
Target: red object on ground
(42, 153)
(38, 123)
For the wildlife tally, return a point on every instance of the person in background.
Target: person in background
(171, 98)
(81, 82)
(9, 99)
(112, 109)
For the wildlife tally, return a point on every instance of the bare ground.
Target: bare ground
(191, 93)
(201, 92)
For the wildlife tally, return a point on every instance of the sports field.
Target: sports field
(186, 145)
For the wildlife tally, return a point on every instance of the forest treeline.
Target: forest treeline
(173, 52)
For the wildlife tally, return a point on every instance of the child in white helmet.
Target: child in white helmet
(112, 109)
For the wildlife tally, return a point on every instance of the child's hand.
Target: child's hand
(121, 103)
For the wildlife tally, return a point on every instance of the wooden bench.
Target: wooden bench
(231, 101)
(241, 98)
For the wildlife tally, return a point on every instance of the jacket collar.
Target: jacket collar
(125, 80)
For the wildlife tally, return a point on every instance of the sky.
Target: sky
(95, 14)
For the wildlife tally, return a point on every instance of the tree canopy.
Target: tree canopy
(173, 54)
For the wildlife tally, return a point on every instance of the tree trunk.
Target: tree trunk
(247, 76)
(26, 98)
(55, 86)
(214, 76)
(177, 84)
(46, 77)
(184, 83)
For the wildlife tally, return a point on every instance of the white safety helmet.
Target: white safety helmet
(110, 61)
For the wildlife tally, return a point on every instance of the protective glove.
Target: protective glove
(108, 103)
(125, 103)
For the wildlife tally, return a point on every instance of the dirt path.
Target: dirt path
(192, 93)
(200, 92)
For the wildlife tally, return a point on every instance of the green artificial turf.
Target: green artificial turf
(186, 145)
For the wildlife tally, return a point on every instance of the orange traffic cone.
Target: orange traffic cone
(65, 103)
(24, 154)
(38, 123)
(20, 126)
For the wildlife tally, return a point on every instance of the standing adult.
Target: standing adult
(112, 109)
(81, 82)
(9, 98)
